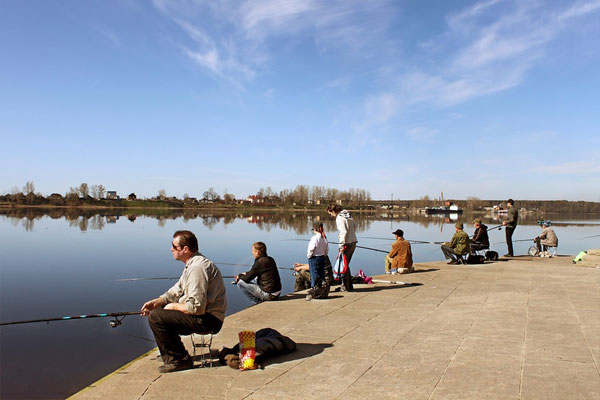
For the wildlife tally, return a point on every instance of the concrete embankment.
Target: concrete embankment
(523, 328)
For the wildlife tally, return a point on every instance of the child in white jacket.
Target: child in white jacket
(318, 248)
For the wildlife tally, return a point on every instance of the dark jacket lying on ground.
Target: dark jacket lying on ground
(269, 343)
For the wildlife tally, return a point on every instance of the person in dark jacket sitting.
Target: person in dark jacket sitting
(264, 270)
(480, 240)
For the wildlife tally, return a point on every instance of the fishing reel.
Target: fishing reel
(116, 322)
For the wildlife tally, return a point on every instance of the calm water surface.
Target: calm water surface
(67, 264)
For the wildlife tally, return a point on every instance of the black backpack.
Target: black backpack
(475, 259)
(320, 290)
(491, 255)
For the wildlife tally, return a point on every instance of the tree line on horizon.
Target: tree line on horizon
(300, 196)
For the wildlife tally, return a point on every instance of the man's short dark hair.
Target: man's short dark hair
(336, 208)
(260, 247)
(187, 238)
(511, 202)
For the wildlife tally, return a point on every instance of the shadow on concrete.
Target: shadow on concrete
(295, 296)
(418, 271)
(303, 350)
(377, 288)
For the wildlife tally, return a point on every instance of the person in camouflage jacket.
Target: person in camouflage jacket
(458, 246)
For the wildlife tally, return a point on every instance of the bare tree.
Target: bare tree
(229, 198)
(211, 195)
(84, 191)
(101, 191)
(29, 187)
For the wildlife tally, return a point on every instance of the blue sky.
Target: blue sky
(492, 98)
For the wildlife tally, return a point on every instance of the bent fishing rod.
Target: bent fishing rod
(113, 323)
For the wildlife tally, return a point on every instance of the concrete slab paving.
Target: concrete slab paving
(524, 328)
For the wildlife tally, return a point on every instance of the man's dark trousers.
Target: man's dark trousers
(509, 232)
(347, 278)
(167, 325)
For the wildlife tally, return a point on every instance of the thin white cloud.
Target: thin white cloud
(263, 16)
(572, 168)
(109, 35)
(578, 9)
(422, 134)
(233, 38)
(488, 48)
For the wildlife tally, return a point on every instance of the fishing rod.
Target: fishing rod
(237, 265)
(156, 279)
(499, 227)
(244, 265)
(409, 240)
(360, 247)
(113, 323)
(514, 241)
(588, 237)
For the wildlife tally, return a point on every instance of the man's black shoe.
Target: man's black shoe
(453, 262)
(508, 255)
(163, 369)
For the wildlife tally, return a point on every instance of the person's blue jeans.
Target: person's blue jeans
(316, 266)
(253, 292)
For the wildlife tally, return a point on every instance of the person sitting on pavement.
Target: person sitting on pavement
(264, 270)
(303, 275)
(458, 246)
(547, 238)
(196, 303)
(399, 259)
(480, 240)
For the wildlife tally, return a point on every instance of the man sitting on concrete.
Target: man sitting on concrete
(399, 259)
(458, 246)
(264, 269)
(196, 303)
(480, 240)
(547, 238)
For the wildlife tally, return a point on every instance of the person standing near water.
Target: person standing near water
(318, 248)
(196, 303)
(512, 219)
(347, 239)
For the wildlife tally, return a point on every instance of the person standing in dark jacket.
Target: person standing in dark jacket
(480, 240)
(264, 270)
(511, 222)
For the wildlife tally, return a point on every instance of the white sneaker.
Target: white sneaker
(388, 272)
(394, 272)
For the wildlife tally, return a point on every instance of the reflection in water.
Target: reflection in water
(297, 221)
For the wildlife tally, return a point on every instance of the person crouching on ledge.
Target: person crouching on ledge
(399, 259)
